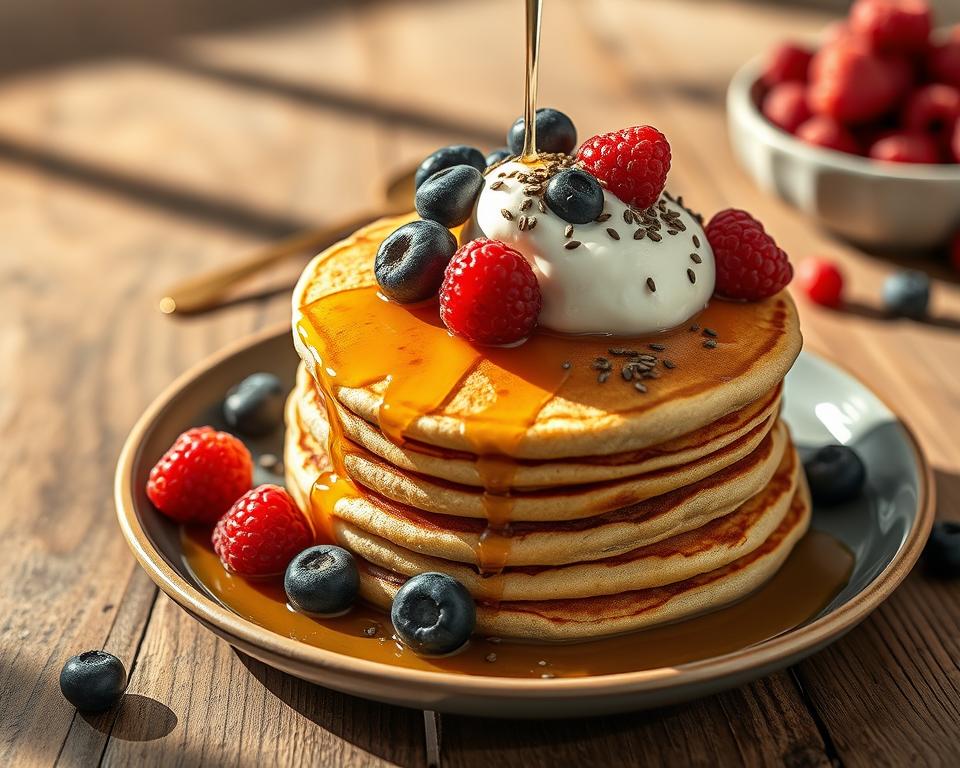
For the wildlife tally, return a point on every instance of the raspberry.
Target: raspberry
(822, 131)
(943, 60)
(634, 163)
(490, 294)
(787, 63)
(892, 25)
(786, 106)
(749, 264)
(853, 85)
(202, 474)
(906, 148)
(821, 281)
(261, 533)
(932, 109)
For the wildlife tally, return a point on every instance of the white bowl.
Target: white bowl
(880, 205)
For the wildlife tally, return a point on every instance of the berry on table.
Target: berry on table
(633, 162)
(905, 148)
(447, 157)
(892, 25)
(836, 475)
(261, 533)
(823, 131)
(555, 132)
(821, 281)
(433, 614)
(490, 294)
(410, 261)
(854, 85)
(254, 407)
(785, 105)
(448, 196)
(907, 293)
(941, 555)
(498, 156)
(93, 681)
(574, 195)
(322, 580)
(786, 63)
(200, 476)
(750, 265)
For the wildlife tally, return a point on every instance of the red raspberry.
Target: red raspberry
(906, 148)
(749, 263)
(261, 533)
(633, 162)
(822, 131)
(490, 294)
(787, 63)
(943, 60)
(892, 25)
(202, 474)
(786, 106)
(821, 281)
(932, 109)
(853, 85)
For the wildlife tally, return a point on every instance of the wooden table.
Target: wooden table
(138, 146)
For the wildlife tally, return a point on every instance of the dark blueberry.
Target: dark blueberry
(459, 154)
(410, 262)
(255, 406)
(907, 293)
(575, 196)
(555, 132)
(498, 156)
(433, 614)
(322, 580)
(941, 555)
(93, 681)
(835, 474)
(448, 196)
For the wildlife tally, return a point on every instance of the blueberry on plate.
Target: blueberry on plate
(835, 474)
(447, 157)
(322, 580)
(555, 132)
(498, 156)
(575, 196)
(93, 681)
(941, 554)
(254, 407)
(433, 614)
(907, 293)
(448, 196)
(410, 261)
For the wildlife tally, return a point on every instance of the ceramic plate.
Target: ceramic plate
(885, 530)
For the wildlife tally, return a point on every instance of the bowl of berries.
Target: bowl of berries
(861, 132)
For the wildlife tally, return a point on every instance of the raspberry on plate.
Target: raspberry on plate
(943, 60)
(786, 63)
(750, 265)
(786, 106)
(633, 163)
(490, 294)
(933, 109)
(821, 281)
(823, 131)
(261, 533)
(854, 85)
(200, 476)
(892, 25)
(906, 147)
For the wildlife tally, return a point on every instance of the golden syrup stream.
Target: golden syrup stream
(534, 12)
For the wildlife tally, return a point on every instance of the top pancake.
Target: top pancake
(756, 343)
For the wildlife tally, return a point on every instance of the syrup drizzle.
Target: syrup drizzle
(530, 81)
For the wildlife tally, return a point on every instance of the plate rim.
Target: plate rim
(766, 655)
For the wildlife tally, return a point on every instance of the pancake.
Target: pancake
(756, 343)
(459, 467)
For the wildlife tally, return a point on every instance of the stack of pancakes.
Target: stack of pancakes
(623, 510)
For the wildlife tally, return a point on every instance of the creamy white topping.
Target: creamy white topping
(625, 287)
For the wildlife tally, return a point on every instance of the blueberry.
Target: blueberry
(458, 154)
(498, 156)
(555, 132)
(835, 474)
(448, 196)
(433, 614)
(575, 196)
(410, 261)
(93, 681)
(322, 580)
(942, 552)
(907, 293)
(255, 406)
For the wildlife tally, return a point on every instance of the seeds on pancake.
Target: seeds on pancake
(695, 258)
(651, 285)
(696, 241)
(654, 236)
(568, 230)
(497, 185)
(613, 233)
(710, 332)
(526, 203)
(650, 375)
(710, 344)
(667, 363)
(657, 347)
(602, 364)
(571, 244)
(603, 376)
(506, 214)
(627, 372)
(542, 206)
(622, 352)
(640, 387)
(691, 276)
(531, 222)
(638, 235)
(694, 328)
(628, 216)
(602, 218)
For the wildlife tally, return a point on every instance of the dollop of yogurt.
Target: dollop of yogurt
(611, 283)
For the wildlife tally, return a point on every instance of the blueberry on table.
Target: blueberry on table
(835, 474)
(555, 132)
(255, 406)
(410, 261)
(498, 156)
(433, 614)
(93, 681)
(448, 196)
(322, 580)
(447, 157)
(575, 196)
(907, 293)
(941, 554)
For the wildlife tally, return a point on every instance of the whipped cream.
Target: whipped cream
(604, 285)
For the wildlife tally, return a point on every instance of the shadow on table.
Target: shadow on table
(139, 718)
